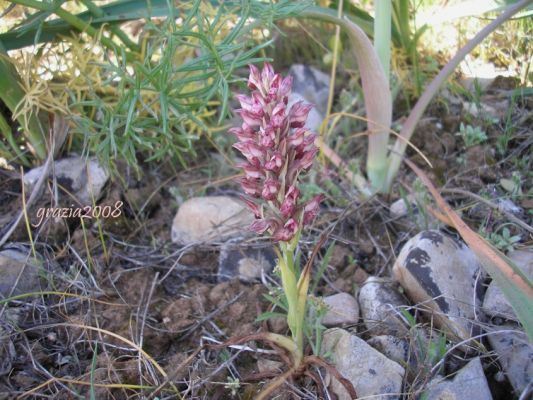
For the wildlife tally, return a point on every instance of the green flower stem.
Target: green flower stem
(295, 318)
(382, 32)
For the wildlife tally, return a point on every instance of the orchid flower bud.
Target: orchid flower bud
(250, 187)
(267, 74)
(285, 89)
(298, 114)
(250, 118)
(259, 226)
(311, 209)
(289, 202)
(297, 138)
(250, 149)
(268, 137)
(254, 80)
(286, 233)
(254, 207)
(270, 189)
(275, 163)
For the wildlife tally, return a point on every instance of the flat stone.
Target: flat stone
(14, 263)
(515, 355)
(82, 177)
(343, 309)
(370, 372)
(246, 263)
(380, 305)
(440, 273)
(210, 219)
(495, 303)
(469, 383)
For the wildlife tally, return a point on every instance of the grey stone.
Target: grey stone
(342, 310)
(495, 303)
(246, 263)
(311, 86)
(400, 207)
(314, 118)
(392, 347)
(209, 219)
(369, 371)
(82, 177)
(515, 355)
(380, 305)
(440, 273)
(469, 383)
(14, 263)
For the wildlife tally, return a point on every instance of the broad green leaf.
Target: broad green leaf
(12, 94)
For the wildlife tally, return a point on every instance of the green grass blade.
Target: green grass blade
(323, 266)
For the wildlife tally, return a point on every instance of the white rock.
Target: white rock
(515, 355)
(208, 219)
(82, 177)
(342, 310)
(380, 305)
(495, 304)
(14, 263)
(440, 273)
(400, 208)
(470, 383)
(370, 372)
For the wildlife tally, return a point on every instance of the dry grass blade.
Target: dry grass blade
(516, 287)
(122, 339)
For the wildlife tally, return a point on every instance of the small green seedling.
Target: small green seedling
(472, 135)
(504, 241)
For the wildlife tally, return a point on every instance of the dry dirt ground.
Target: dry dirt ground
(113, 288)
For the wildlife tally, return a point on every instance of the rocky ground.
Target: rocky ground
(168, 267)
